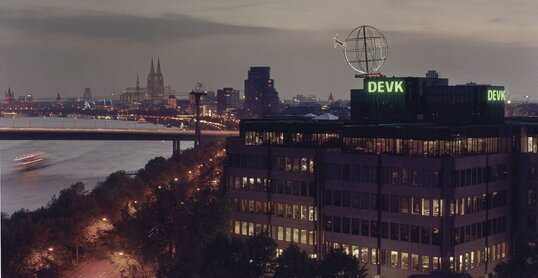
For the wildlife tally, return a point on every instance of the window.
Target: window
(296, 235)
(415, 264)
(436, 263)
(304, 164)
(416, 205)
(289, 211)
(355, 199)
(287, 187)
(425, 235)
(385, 202)
(425, 263)
(395, 176)
(415, 231)
(296, 188)
(384, 257)
(337, 198)
(304, 236)
(532, 170)
(384, 230)
(394, 231)
(394, 258)
(328, 197)
(374, 256)
(436, 208)
(365, 227)
(288, 234)
(365, 200)
(404, 261)
(355, 226)
(374, 229)
(404, 204)
(304, 212)
(337, 227)
(415, 177)
(394, 203)
(364, 255)
(405, 176)
(436, 236)
(531, 197)
(328, 223)
(404, 232)
(426, 207)
(345, 225)
(346, 196)
(304, 188)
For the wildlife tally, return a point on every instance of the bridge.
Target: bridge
(116, 134)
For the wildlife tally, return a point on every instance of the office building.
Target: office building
(261, 98)
(227, 99)
(425, 177)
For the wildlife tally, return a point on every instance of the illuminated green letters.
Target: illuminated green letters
(388, 85)
(496, 94)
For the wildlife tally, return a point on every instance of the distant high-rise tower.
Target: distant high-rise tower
(261, 98)
(155, 85)
(227, 98)
(58, 98)
(87, 94)
(331, 99)
(9, 96)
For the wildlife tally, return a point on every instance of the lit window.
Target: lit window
(404, 260)
(426, 207)
(394, 258)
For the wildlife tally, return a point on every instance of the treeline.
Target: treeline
(51, 239)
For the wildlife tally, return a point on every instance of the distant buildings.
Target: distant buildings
(171, 102)
(261, 98)
(227, 98)
(87, 94)
(154, 90)
(9, 96)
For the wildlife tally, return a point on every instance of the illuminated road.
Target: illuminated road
(96, 268)
(46, 133)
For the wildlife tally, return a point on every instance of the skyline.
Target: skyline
(69, 45)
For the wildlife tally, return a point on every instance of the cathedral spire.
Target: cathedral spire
(137, 81)
(158, 66)
(331, 99)
(152, 70)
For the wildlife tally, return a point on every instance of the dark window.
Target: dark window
(365, 173)
(337, 227)
(404, 204)
(436, 236)
(473, 176)
(425, 235)
(384, 230)
(355, 226)
(296, 188)
(415, 177)
(415, 231)
(328, 197)
(385, 202)
(405, 176)
(404, 232)
(479, 175)
(337, 198)
(435, 178)
(373, 174)
(312, 190)
(337, 172)
(355, 199)
(345, 225)
(287, 187)
(280, 187)
(365, 227)
(394, 203)
(374, 231)
(394, 231)
(346, 175)
(304, 188)
(426, 178)
(365, 200)
(346, 196)
(373, 200)
(328, 223)
(355, 173)
(329, 171)
(456, 181)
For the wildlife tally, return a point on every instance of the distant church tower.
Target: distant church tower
(331, 99)
(155, 85)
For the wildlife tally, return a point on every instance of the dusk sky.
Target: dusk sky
(50, 46)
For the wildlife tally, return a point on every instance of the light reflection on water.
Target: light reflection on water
(69, 162)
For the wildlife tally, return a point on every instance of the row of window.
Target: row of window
(389, 203)
(417, 262)
(297, 188)
(396, 259)
(478, 230)
(295, 164)
(307, 213)
(478, 175)
(392, 231)
(276, 232)
(472, 204)
(474, 259)
(249, 161)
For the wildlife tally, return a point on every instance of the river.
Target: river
(69, 161)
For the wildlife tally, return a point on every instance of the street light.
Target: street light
(104, 219)
(51, 249)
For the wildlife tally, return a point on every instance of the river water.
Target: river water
(69, 161)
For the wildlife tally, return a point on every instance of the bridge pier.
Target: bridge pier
(176, 147)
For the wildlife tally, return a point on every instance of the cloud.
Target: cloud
(127, 27)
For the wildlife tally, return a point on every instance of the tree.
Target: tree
(260, 251)
(524, 262)
(295, 263)
(339, 264)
